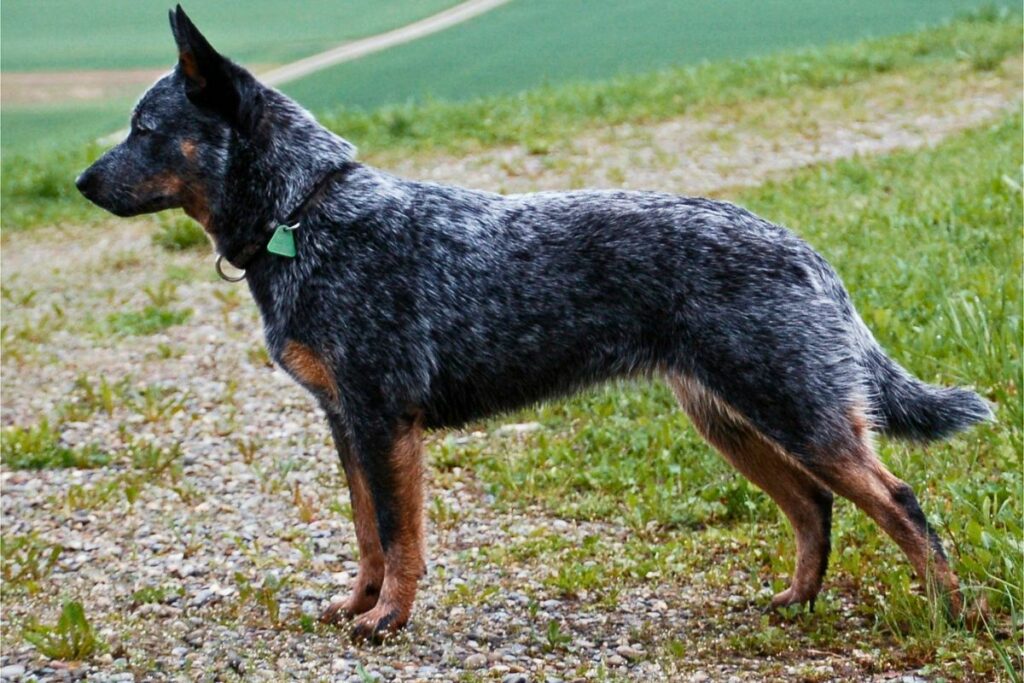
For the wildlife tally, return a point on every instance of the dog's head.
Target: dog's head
(182, 134)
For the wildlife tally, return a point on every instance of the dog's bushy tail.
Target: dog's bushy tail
(907, 408)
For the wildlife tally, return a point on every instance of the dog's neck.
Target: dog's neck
(269, 178)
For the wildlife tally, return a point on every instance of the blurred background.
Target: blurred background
(72, 69)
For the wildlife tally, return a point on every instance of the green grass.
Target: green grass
(26, 562)
(46, 129)
(149, 320)
(550, 115)
(180, 233)
(528, 43)
(948, 308)
(40, 447)
(72, 638)
(37, 189)
(104, 34)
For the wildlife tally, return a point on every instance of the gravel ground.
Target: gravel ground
(257, 499)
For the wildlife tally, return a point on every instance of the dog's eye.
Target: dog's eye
(139, 127)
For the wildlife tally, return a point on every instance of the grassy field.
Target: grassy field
(106, 34)
(36, 188)
(927, 241)
(521, 46)
(528, 43)
(66, 35)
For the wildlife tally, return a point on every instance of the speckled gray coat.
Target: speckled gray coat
(442, 304)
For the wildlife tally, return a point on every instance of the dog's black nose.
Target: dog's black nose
(86, 182)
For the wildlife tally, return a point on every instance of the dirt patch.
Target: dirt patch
(51, 87)
(715, 148)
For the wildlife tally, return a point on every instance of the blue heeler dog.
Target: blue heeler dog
(403, 306)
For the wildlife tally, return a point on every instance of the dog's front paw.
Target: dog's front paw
(380, 622)
(359, 600)
(794, 596)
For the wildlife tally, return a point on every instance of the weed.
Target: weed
(40, 447)
(467, 594)
(149, 595)
(366, 676)
(155, 403)
(554, 638)
(88, 398)
(162, 294)
(166, 351)
(258, 356)
(180, 233)
(444, 515)
(26, 561)
(305, 505)
(229, 301)
(20, 299)
(71, 639)
(248, 448)
(149, 320)
(265, 595)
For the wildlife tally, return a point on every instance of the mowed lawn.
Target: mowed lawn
(534, 42)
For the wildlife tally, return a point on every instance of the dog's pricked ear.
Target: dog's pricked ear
(212, 81)
(197, 60)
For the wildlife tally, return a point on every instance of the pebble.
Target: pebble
(12, 672)
(520, 428)
(629, 652)
(515, 678)
(475, 661)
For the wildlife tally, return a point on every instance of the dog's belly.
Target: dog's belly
(510, 381)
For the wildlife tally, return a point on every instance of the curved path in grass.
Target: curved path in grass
(382, 41)
(363, 46)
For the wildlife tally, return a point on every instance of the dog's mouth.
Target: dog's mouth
(121, 204)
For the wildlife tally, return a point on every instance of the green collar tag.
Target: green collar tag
(283, 241)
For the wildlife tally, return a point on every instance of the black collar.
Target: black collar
(249, 253)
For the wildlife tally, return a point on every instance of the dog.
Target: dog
(404, 306)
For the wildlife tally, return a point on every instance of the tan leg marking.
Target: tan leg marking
(404, 559)
(804, 500)
(858, 474)
(370, 578)
(309, 369)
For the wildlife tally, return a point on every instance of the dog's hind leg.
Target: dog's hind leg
(852, 469)
(806, 502)
(370, 578)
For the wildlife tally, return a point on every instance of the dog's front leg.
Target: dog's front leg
(370, 578)
(390, 468)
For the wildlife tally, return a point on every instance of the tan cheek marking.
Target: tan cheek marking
(164, 183)
(191, 197)
(188, 149)
(194, 203)
(309, 368)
